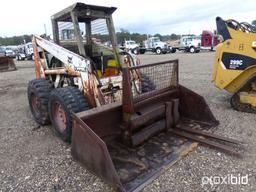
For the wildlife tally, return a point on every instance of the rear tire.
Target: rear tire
(135, 51)
(146, 84)
(55, 63)
(62, 103)
(38, 97)
(142, 51)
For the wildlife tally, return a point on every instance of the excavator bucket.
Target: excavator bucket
(130, 143)
(7, 64)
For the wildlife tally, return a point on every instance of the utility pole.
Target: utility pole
(45, 31)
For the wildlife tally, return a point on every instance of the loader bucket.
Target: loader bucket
(128, 144)
(7, 64)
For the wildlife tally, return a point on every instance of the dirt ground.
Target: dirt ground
(32, 158)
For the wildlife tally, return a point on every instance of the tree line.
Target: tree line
(121, 36)
(15, 40)
(139, 38)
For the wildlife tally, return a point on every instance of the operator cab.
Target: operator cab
(88, 30)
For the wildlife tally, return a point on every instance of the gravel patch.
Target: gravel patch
(32, 158)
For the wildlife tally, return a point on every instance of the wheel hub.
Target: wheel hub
(35, 104)
(59, 116)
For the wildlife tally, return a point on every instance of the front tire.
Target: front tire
(38, 97)
(62, 103)
(158, 51)
(192, 49)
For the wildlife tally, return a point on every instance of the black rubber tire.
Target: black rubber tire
(54, 64)
(135, 51)
(158, 51)
(40, 88)
(142, 51)
(146, 84)
(173, 50)
(71, 100)
(192, 49)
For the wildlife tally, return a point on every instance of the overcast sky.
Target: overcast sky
(18, 17)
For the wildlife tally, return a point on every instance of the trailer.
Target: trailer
(209, 40)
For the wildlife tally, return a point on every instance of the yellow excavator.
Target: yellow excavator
(235, 63)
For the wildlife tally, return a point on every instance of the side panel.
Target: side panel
(193, 106)
(92, 152)
(221, 76)
(232, 57)
(243, 77)
(70, 59)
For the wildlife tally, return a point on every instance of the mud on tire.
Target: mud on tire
(62, 103)
(38, 96)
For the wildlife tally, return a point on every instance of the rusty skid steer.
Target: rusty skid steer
(122, 117)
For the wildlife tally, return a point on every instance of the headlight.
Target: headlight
(254, 44)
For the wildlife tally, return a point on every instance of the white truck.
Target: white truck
(9, 52)
(25, 51)
(132, 46)
(187, 43)
(155, 45)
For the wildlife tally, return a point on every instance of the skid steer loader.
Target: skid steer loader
(235, 63)
(122, 117)
(7, 64)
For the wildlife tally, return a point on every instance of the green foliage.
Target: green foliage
(16, 40)
(158, 35)
(139, 38)
(121, 36)
(125, 35)
(170, 37)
